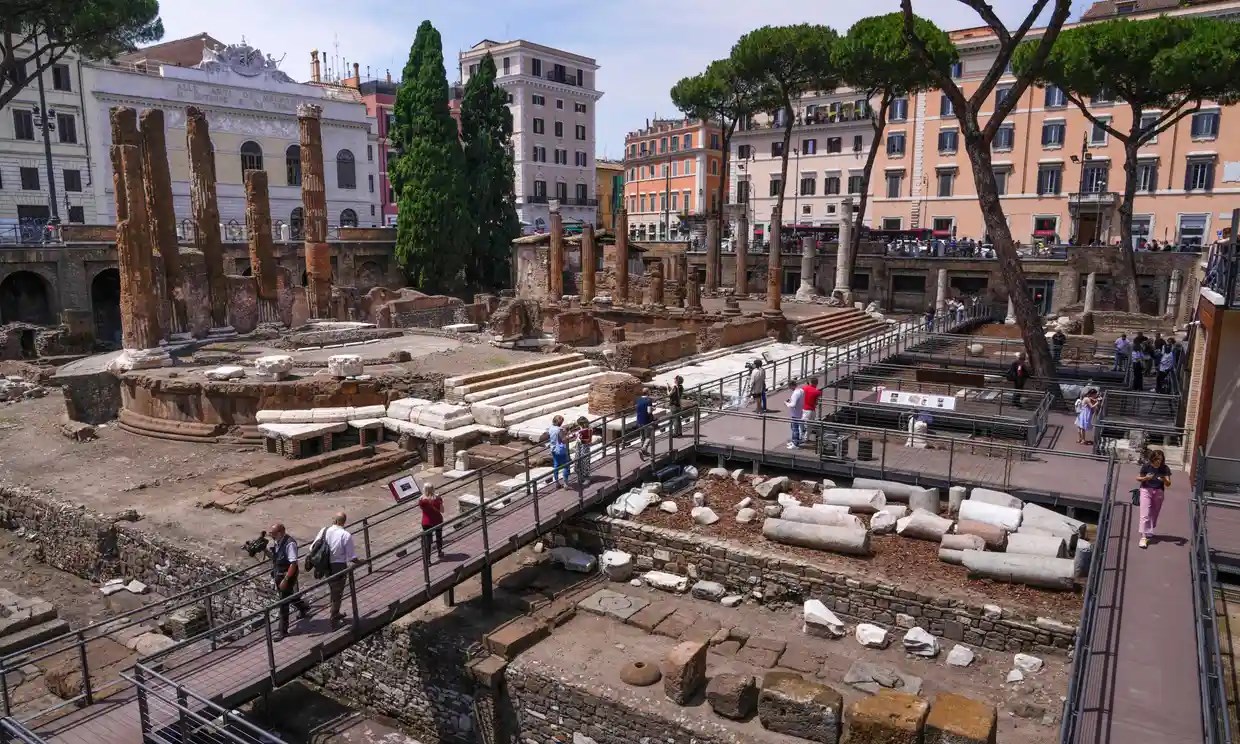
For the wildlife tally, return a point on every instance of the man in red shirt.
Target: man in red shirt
(432, 517)
(809, 402)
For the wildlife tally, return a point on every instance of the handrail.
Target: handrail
(1216, 714)
(187, 705)
(12, 730)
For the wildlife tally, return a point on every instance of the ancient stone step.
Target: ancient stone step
(456, 384)
(564, 381)
(526, 380)
(495, 415)
(542, 410)
(27, 614)
(34, 634)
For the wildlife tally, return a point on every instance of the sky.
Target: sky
(642, 47)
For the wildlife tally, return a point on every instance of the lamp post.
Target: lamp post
(1080, 187)
(796, 194)
(45, 119)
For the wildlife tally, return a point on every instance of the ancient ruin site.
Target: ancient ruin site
(679, 505)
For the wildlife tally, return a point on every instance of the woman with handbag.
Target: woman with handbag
(559, 450)
(1155, 478)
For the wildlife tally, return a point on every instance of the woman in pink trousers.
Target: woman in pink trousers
(1155, 478)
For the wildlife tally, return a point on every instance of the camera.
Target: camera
(255, 546)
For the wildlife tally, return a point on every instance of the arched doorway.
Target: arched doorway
(24, 299)
(105, 304)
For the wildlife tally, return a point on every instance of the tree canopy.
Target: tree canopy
(486, 123)
(780, 63)
(36, 34)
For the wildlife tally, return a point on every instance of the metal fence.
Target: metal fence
(170, 713)
(1215, 708)
(12, 730)
(1143, 420)
(28, 233)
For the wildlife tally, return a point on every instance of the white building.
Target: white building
(251, 109)
(552, 96)
(24, 177)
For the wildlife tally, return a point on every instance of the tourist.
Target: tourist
(810, 393)
(930, 319)
(1137, 367)
(796, 412)
(559, 450)
(1155, 478)
(1166, 368)
(1018, 375)
(340, 546)
(675, 395)
(1086, 407)
(1123, 348)
(960, 312)
(645, 424)
(284, 572)
(432, 521)
(585, 437)
(1058, 341)
(757, 386)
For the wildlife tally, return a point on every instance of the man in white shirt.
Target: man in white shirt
(796, 405)
(340, 543)
(1123, 347)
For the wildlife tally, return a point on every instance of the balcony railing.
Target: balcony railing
(1221, 272)
(560, 76)
(30, 233)
(1096, 199)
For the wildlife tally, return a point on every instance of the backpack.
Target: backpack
(320, 558)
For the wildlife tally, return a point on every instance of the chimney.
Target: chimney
(357, 73)
(389, 76)
(315, 72)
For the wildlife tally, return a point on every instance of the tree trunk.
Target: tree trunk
(1027, 318)
(714, 253)
(775, 260)
(1127, 258)
(848, 254)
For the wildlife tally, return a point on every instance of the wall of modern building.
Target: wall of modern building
(673, 167)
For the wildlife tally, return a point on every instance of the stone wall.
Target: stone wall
(742, 569)
(731, 333)
(576, 328)
(404, 316)
(654, 348)
(242, 303)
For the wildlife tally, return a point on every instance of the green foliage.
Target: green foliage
(782, 62)
(875, 57)
(487, 126)
(718, 93)
(433, 224)
(48, 29)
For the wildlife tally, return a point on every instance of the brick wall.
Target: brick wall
(731, 333)
(577, 328)
(742, 569)
(655, 348)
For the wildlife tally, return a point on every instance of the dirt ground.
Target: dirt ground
(896, 560)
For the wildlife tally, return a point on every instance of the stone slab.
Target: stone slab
(684, 671)
(676, 624)
(790, 704)
(509, 641)
(651, 615)
(761, 658)
(874, 678)
(955, 719)
(886, 718)
(612, 604)
(800, 657)
(732, 696)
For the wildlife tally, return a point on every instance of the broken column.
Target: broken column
(205, 213)
(140, 333)
(940, 296)
(262, 256)
(314, 206)
(843, 261)
(157, 183)
(620, 293)
(742, 256)
(555, 257)
(681, 263)
(587, 264)
(124, 127)
(1011, 312)
(1173, 295)
(1091, 288)
(806, 291)
(693, 293)
(656, 284)
(712, 253)
(775, 266)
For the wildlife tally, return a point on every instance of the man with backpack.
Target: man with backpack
(330, 554)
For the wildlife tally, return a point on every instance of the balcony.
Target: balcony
(1221, 273)
(561, 76)
(820, 117)
(1093, 201)
(535, 198)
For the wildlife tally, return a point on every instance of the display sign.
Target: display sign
(405, 488)
(917, 400)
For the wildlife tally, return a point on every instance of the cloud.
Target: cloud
(642, 46)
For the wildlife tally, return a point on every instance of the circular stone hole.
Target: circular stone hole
(640, 673)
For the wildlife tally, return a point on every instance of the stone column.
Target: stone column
(742, 256)
(682, 279)
(843, 266)
(806, 291)
(620, 293)
(125, 131)
(314, 213)
(206, 213)
(588, 259)
(555, 257)
(1173, 296)
(655, 296)
(1091, 288)
(157, 180)
(712, 253)
(140, 332)
(940, 296)
(774, 266)
(262, 255)
(1011, 311)
(693, 293)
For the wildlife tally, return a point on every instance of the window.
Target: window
(60, 78)
(1094, 178)
(946, 107)
(293, 166)
(1055, 97)
(675, 144)
(473, 70)
(899, 110)
(561, 157)
(23, 124)
(854, 184)
(507, 65)
(947, 182)
(633, 152)
(1148, 122)
(581, 159)
(714, 167)
(251, 156)
(538, 100)
(1045, 225)
(17, 73)
(809, 146)
(776, 185)
(1192, 228)
(1147, 176)
(742, 192)
(891, 223)
(1098, 133)
(948, 140)
(957, 70)
(581, 131)
(1205, 125)
(1101, 97)
(1005, 137)
(858, 142)
(675, 167)
(559, 103)
(895, 144)
(1001, 94)
(663, 145)
(30, 179)
(78, 215)
(714, 140)
(1049, 177)
(539, 155)
(1200, 175)
(73, 180)
(370, 153)
(908, 283)
(348, 218)
(559, 129)
(743, 151)
(1001, 179)
(66, 128)
(895, 180)
(675, 202)
(540, 126)
(777, 149)
(583, 194)
(370, 182)
(1125, 7)
(346, 170)
(580, 108)
(809, 185)
(831, 185)
(561, 191)
(835, 144)
(643, 202)
(536, 70)
(663, 201)
(1053, 133)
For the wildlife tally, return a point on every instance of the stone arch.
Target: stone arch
(105, 305)
(346, 170)
(292, 165)
(251, 156)
(25, 298)
(348, 218)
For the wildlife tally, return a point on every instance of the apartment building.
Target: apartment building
(610, 190)
(1060, 176)
(673, 170)
(552, 96)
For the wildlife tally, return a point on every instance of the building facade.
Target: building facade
(610, 190)
(552, 96)
(251, 108)
(673, 170)
(379, 97)
(1060, 176)
(31, 194)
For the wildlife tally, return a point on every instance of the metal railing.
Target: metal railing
(170, 713)
(1215, 709)
(1222, 268)
(31, 232)
(12, 730)
(1139, 418)
(1083, 649)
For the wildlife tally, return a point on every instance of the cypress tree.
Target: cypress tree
(487, 126)
(431, 229)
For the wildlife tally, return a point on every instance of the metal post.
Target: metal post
(488, 594)
(357, 620)
(211, 621)
(486, 541)
(271, 649)
(531, 487)
(366, 544)
(882, 463)
(87, 693)
(951, 459)
(426, 561)
(4, 689)
(183, 714)
(762, 454)
(697, 425)
(144, 713)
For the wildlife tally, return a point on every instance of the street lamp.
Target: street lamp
(796, 194)
(1080, 186)
(45, 119)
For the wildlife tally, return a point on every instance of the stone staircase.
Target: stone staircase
(515, 394)
(26, 622)
(839, 326)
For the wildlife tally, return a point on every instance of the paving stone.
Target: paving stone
(955, 719)
(732, 695)
(762, 658)
(612, 604)
(771, 644)
(872, 678)
(651, 615)
(727, 648)
(886, 718)
(790, 704)
(516, 637)
(684, 671)
(676, 624)
(703, 630)
(802, 658)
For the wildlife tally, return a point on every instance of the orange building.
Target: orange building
(672, 169)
